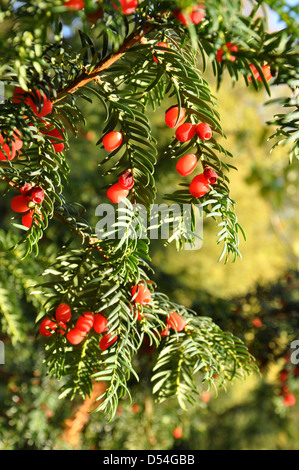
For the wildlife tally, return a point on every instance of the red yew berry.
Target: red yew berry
(85, 322)
(47, 327)
(194, 15)
(75, 336)
(100, 323)
(283, 375)
(289, 400)
(27, 219)
(257, 322)
(160, 44)
(74, 4)
(210, 175)
(135, 408)
(7, 152)
(206, 396)
(177, 433)
(185, 132)
(94, 16)
(199, 186)
(230, 48)
(186, 165)
(266, 72)
(126, 180)
(42, 108)
(62, 328)
(176, 322)
(128, 6)
(112, 140)
(116, 193)
(63, 313)
(174, 117)
(143, 296)
(26, 189)
(58, 146)
(165, 332)
(203, 131)
(107, 340)
(18, 142)
(20, 203)
(37, 195)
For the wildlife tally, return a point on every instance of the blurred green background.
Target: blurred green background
(264, 285)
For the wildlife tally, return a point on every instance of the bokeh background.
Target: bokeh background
(256, 298)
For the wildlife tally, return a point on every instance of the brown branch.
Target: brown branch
(85, 77)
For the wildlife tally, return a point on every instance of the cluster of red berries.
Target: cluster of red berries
(41, 109)
(83, 325)
(225, 53)
(127, 6)
(200, 184)
(289, 398)
(121, 189)
(141, 295)
(30, 200)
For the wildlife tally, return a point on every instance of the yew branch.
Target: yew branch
(134, 38)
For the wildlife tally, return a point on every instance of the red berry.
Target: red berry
(165, 332)
(47, 327)
(206, 396)
(7, 152)
(185, 132)
(58, 146)
(257, 322)
(195, 15)
(112, 140)
(266, 72)
(28, 219)
(199, 186)
(128, 6)
(135, 408)
(143, 296)
(186, 165)
(85, 322)
(63, 328)
(177, 433)
(96, 15)
(289, 400)
(26, 189)
(204, 131)
(106, 341)
(74, 4)
(160, 44)
(231, 48)
(37, 195)
(20, 203)
(18, 143)
(75, 336)
(126, 180)
(283, 375)
(42, 108)
(176, 322)
(210, 175)
(100, 323)
(63, 313)
(116, 193)
(173, 118)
